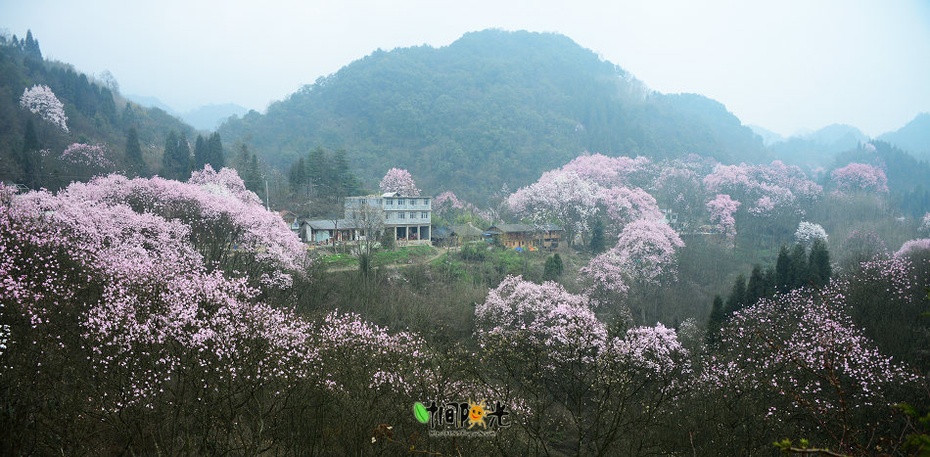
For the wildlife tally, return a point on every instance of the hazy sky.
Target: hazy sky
(782, 64)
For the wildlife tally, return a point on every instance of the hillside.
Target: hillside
(914, 137)
(96, 114)
(492, 108)
(820, 147)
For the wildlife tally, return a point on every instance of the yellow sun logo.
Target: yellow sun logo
(476, 413)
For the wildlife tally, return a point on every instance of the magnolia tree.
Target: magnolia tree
(399, 180)
(40, 100)
(816, 373)
(645, 255)
(808, 232)
(558, 196)
(913, 247)
(226, 222)
(721, 211)
(547, 346)
(607, 171)
(447, 206)
(113, 315)
(88, 155)
(860, 177)
(766, 189)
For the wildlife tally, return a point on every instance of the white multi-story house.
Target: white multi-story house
(408, 218)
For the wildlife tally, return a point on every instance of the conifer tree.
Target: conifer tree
(200, 153)
(176, 162)
(31, 47)
(598, 244)
(737, 299)
(215, 155)
(819, 264)
(783, 270)
(134, 159)
(717, 316)
(756, 287)
(27, 156)
(798, 273)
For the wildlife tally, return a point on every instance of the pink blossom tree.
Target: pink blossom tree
(88, 155)
(559, 196)
(811, 363)
(545, 345)
(40, 100)
(721, 211)
(773, 187)
(860, 177)
(399, 180)
(645, 255)
(924, 227)
(913, 247)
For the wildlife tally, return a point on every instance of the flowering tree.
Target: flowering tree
(813, 366)
(773, 187)
(606, 171)
(924, 227)
(399, 180)
(447, 206)
(113, 314)
(39, 99)
(547, 346)
(721, 211)
(558, 196)
(807, 232)
(644, 256)
(912, 247)
(89, 155)
(860, 177)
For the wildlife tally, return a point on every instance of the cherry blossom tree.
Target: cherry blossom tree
(399, 180)
(39, 99)
(860, 177)
(912, 247)
(606, 171)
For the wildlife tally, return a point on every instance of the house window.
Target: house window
(402, 215)
(402, 202)
(413, 215)
(389, 202)
(424, 215)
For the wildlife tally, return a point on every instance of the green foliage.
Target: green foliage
(176, 161)
(717, 316)
(387, 241)
(737, 298)
(598, 244)
(553, 268)
(93, 118)
(134, 161)
(511, 104)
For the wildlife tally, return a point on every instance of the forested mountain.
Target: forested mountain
(914, 137)
(94, 114)
(492, 108)
(818, 148)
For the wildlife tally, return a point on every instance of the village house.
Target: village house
(406, 218)
(525, 236)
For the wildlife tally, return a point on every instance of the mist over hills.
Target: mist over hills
(914, 137)
(490, 109)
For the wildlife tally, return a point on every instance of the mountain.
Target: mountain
(914, 137)
(209, 117)
(152, 102)
(492, 108)
(768, 137)
(819, 148)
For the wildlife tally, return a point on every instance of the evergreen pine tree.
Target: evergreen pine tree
(316, 172)
(176, 162)
(819, 264)
(769, 276)
(798, 274)
(215, 155)
(783, 270)
(756, 287)
(27, 156)
(31, 47)
(737, 299)
(297, 176)
(200, 153)
(717, 316)
(134, 159)
(347, 183)
(598, 244)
